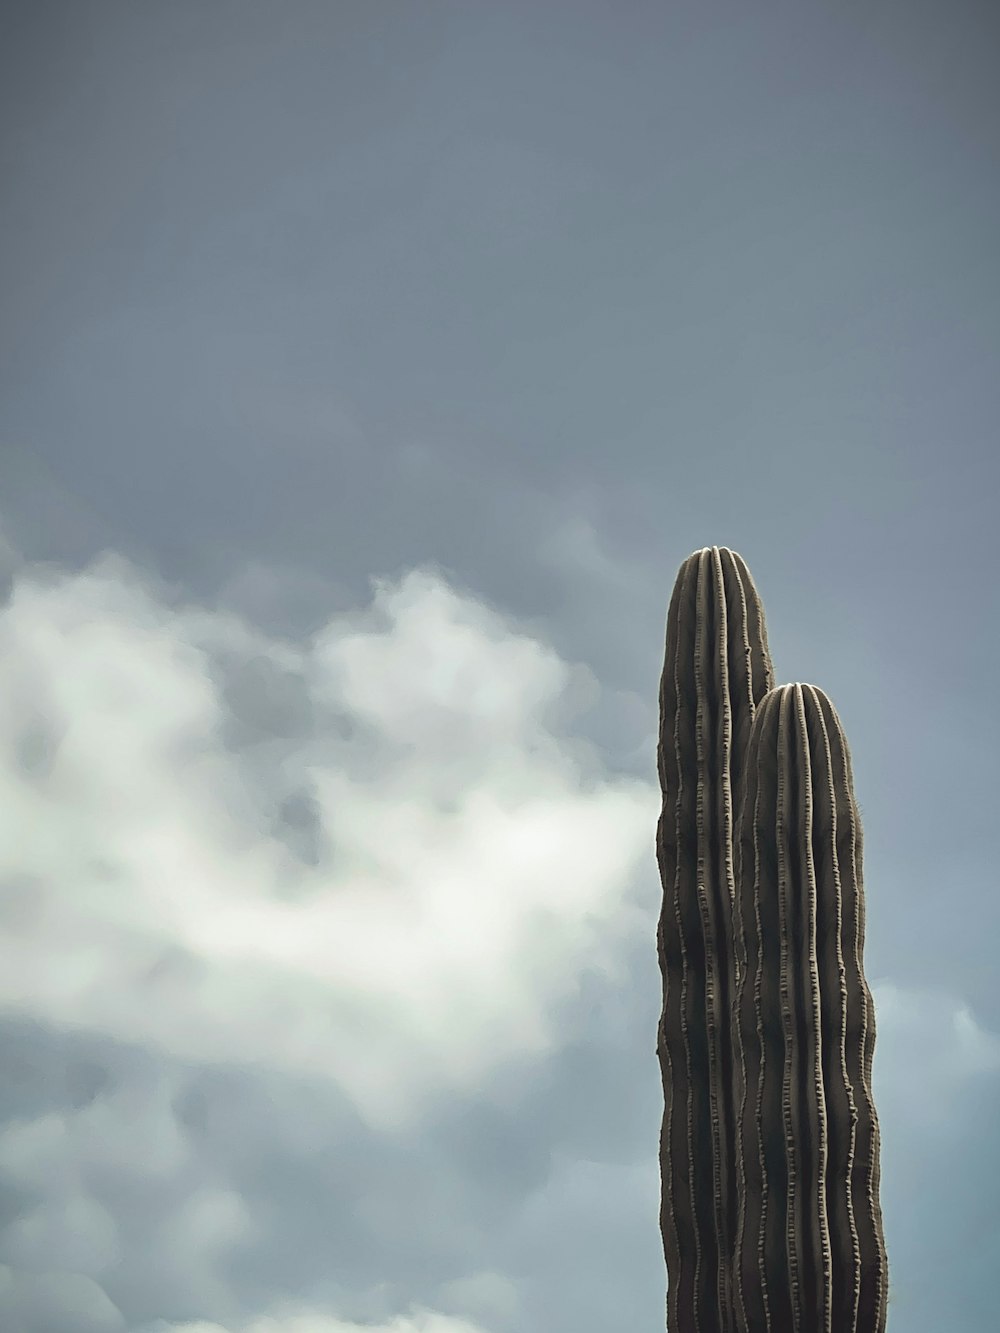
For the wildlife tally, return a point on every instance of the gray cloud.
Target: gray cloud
(363, 382)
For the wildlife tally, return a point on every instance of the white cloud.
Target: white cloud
(420, 1321)
(470, 862)
(473, 862)
(486, 1293)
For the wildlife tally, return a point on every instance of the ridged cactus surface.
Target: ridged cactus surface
(769, 1149)
(809, 1248)
(716, 667)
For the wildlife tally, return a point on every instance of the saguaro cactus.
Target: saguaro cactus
(716, 667)
(809, 1252)
(769, 1149)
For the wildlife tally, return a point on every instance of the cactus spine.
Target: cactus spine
(769, 1150)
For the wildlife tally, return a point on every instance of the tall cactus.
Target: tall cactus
(809, 1252)
(716, 668)
(769, 1150)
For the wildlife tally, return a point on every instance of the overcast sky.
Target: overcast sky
(367, 370)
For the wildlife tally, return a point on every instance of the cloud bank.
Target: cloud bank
(355, 880)
(368, 856)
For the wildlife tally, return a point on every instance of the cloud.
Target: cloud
(10, 557)
(163, 768)
(289, 932)
(375, 861)
(421, 1321)
(930, 1052)
(112, 1191)
(56, 1302)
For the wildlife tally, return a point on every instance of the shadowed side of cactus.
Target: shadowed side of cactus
(716, 667)
(809, 1255)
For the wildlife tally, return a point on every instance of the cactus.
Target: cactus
(809, 1247)
(769, 1150)
(716, 668)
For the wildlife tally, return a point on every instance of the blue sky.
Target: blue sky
(367, 370)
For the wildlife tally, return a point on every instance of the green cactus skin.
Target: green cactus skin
(716, 668)
(810, 1255)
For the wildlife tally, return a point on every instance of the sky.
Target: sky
(367, 370)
